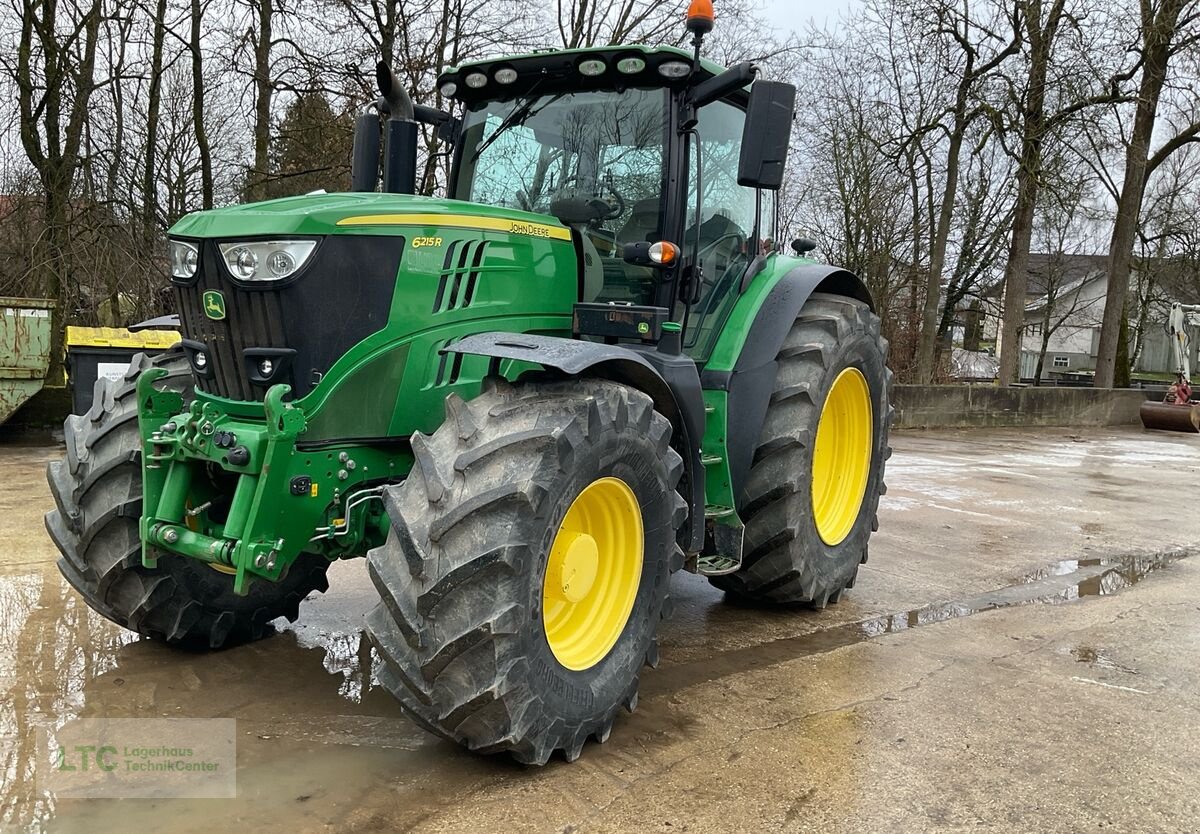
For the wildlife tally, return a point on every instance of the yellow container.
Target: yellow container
(103, 353)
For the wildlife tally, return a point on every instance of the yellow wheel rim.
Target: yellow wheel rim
(842, 456)
(593, 573)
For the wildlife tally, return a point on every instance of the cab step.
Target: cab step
(716, 565)
(711, 460)
(717, 511)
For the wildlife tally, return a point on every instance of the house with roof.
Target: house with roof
(1065, 307)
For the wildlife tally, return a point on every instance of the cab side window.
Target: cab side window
(725, 228)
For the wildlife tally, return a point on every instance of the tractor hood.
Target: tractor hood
(325, 214)
(390, 266)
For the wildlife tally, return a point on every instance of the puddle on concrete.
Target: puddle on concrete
(1061, 582)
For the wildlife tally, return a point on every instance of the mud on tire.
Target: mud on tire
(459, 625)
(97, 491)
(785, 559)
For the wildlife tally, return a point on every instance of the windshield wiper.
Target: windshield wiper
(518, 115)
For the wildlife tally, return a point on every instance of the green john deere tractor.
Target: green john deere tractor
(527, 405)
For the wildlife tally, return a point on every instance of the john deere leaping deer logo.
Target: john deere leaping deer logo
(214, 305)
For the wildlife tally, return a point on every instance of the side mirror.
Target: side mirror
(766, 135)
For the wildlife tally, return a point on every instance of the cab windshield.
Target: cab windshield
(593, 160)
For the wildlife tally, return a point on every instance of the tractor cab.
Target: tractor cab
(600, 139)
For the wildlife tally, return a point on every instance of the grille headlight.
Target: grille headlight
(184, 259)
(266, 260)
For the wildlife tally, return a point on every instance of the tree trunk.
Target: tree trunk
(149, 187)
(1121, 366)
(1157, 34)
(1041, 360)
(202, 146)
(1016, 276)
(927, 347)
(262, 102)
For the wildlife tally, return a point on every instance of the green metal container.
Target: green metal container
(24, 350)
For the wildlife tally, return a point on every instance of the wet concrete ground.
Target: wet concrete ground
(1013, 657)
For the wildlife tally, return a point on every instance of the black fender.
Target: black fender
(672, 382)
(750, 383)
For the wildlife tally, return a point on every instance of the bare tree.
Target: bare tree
(1166, 29)
(54, 71)
(973, 44)
(1064, 232)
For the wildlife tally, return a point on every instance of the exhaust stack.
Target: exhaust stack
(399, 139)
(399, 134)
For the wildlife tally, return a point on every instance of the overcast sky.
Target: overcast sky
(795, 13)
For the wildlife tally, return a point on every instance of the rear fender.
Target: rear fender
(751, 380)
(680, 400)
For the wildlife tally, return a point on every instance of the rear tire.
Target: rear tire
(787, 560)
(97, 490)
(462, 622)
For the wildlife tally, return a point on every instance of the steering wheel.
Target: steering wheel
(615, 209)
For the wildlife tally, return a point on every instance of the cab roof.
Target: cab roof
(556, 70)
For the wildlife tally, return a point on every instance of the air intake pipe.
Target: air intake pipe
(364, 160)
(399, 133)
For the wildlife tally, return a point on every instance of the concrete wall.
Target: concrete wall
(962, 406)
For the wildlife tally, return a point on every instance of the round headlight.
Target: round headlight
(475, 80)
(201, 360)
(505, 75)
(592, 66)
(266, 260)
(184, 259)
(266, 367)
(448, 89)
(281, 263)
(244, 263)
(630, 65)
(674, 69)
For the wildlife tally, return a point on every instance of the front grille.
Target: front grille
(342, 296)
(253, 318)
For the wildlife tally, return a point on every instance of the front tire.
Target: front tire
(813, 490)
(97, 491)
(509, 619)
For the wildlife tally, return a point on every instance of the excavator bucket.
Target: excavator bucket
(1170, 416)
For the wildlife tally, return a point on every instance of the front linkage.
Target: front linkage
(241, 493)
